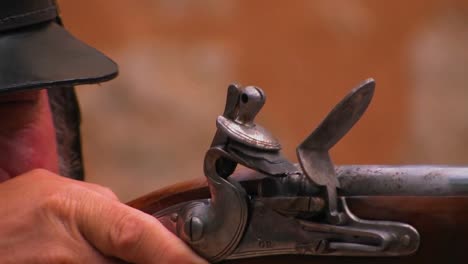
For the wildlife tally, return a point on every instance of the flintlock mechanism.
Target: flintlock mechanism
(297, 209)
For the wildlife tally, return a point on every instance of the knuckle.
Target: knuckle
(58, 204)
(107, 192)
(65, 201)
(127, 234)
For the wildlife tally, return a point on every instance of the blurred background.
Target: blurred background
(152, 125)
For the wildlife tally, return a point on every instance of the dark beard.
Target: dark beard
(66, 117)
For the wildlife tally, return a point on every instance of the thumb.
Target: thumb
(121, 231)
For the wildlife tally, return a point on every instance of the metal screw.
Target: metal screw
(321, 246)
(174, 217)
(194, 228)
(405, 240)
(336, 218)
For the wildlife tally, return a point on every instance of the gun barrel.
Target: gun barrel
(383, 180)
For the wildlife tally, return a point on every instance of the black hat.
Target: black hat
(36, 51)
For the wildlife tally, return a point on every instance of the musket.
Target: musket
(278, 211)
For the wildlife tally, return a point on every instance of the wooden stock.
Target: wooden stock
(441, 221)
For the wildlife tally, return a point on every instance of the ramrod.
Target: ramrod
(277, 211)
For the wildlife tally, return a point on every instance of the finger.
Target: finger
(100, 189)
(47, 178)
(95, 257)
(64, 251)
(126, 233)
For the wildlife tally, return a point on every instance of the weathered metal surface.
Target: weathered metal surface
(313, 152)
(440, 220)
(292, 211)
(415, 180)
(238, 121)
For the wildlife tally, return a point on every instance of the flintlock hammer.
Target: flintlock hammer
(277, 211)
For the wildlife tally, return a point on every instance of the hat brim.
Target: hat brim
(46, 55)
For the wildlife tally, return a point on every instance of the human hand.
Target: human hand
(46, 218)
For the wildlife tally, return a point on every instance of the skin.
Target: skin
(47, 218)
